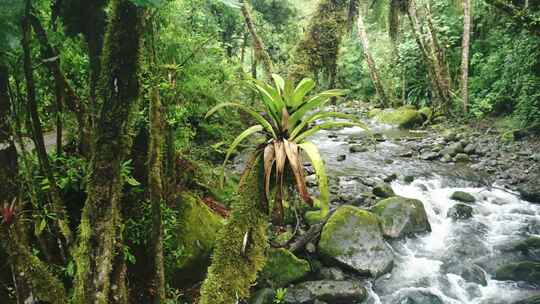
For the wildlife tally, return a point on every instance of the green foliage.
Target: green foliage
(279, 298)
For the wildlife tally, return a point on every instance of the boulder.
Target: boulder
(332, 273)
(335, 292)
(402, 216)
(405, 118)
(460, 212)
(453, 149)
(527, 271)
(383, 190)
(282, 268)
(341, 157)
(430, 155)
(353, 237)
(463, 197)
(470, 148)
(426, 112)
(530, 248)
(417, 297)
(196, 234)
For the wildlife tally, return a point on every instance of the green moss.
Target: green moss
(374, 112)
(401, 216)
(283, 268)
(426, 112)
(233, 271)
(402, 117)
(339, 218)
(463, 197)
(197, 231)
(527, 271)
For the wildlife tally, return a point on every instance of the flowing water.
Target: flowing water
(455, 262)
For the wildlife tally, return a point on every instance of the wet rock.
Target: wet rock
(531, 190)
(358, 149)
(450, 136)
(417, 297)
(403, 117)
(453, 149)
(531, 300)
(463, 197)
(311, 180)
(263, 296)
(470, 148)
(341, 157)
(469, 272)
(430, 155)
(406, 154)
(282, 268)
(354, 237)
(527, 271)
(335, 292)
(311, 248)
(460, 212)
(383, 190)
(332, 273)
(462, 158)
(426, 112)
(530, 248)
(402, 216)
(408, 179)
(446, 158)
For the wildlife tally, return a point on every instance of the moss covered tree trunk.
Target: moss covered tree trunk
(240, 248)
(100, 264)
(465, 54)
(32, 278)
(155, 184)
(258, 46)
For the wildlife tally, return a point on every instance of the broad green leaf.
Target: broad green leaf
(132, 181)
(258, 117)
(300, 92)
(279, 81)
(320, 171)
(323, 115)
(326, 125)
(288, 91)
(312, 104)
(248, 132)
(274, 95)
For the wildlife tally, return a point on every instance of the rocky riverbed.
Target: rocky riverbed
(434, 215)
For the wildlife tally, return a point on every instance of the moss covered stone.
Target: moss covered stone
(282, 268)
(530, 247)
(463, 197)
(354, 237)
(383, 190)
(405, 118)
(402, 216)
(196, 234)
(527, 271)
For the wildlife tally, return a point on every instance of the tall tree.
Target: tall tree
(373, 71)
(98, 257)
(465, 54)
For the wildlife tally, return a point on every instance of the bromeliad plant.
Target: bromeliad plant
(290, 115)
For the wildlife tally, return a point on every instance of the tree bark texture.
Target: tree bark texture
(258, 45)
(465, 54)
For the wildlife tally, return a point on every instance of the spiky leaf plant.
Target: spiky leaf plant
(290, 114)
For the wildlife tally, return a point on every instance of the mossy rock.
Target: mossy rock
(403, 117)
(530, 247)
(460, 212)
(383, 190)
(263, 296)
(353, 237)
(463, 197)
(402, 216)
(426, 112)
(196, 234)
(282, 268)
(326, 292)
(374, 112)
(527, 271)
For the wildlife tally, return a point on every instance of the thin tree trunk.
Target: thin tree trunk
(52, 61)
(465, 54)
(155, 185)
(100, 230)
(373, 72)
(260, 50)
(56, 201)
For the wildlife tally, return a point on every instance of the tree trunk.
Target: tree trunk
(100, 236)
(258, 46)
(240, 247)
(56, 201)
(155, 185)
(373, 72)
(32, 278)
(465, 54)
